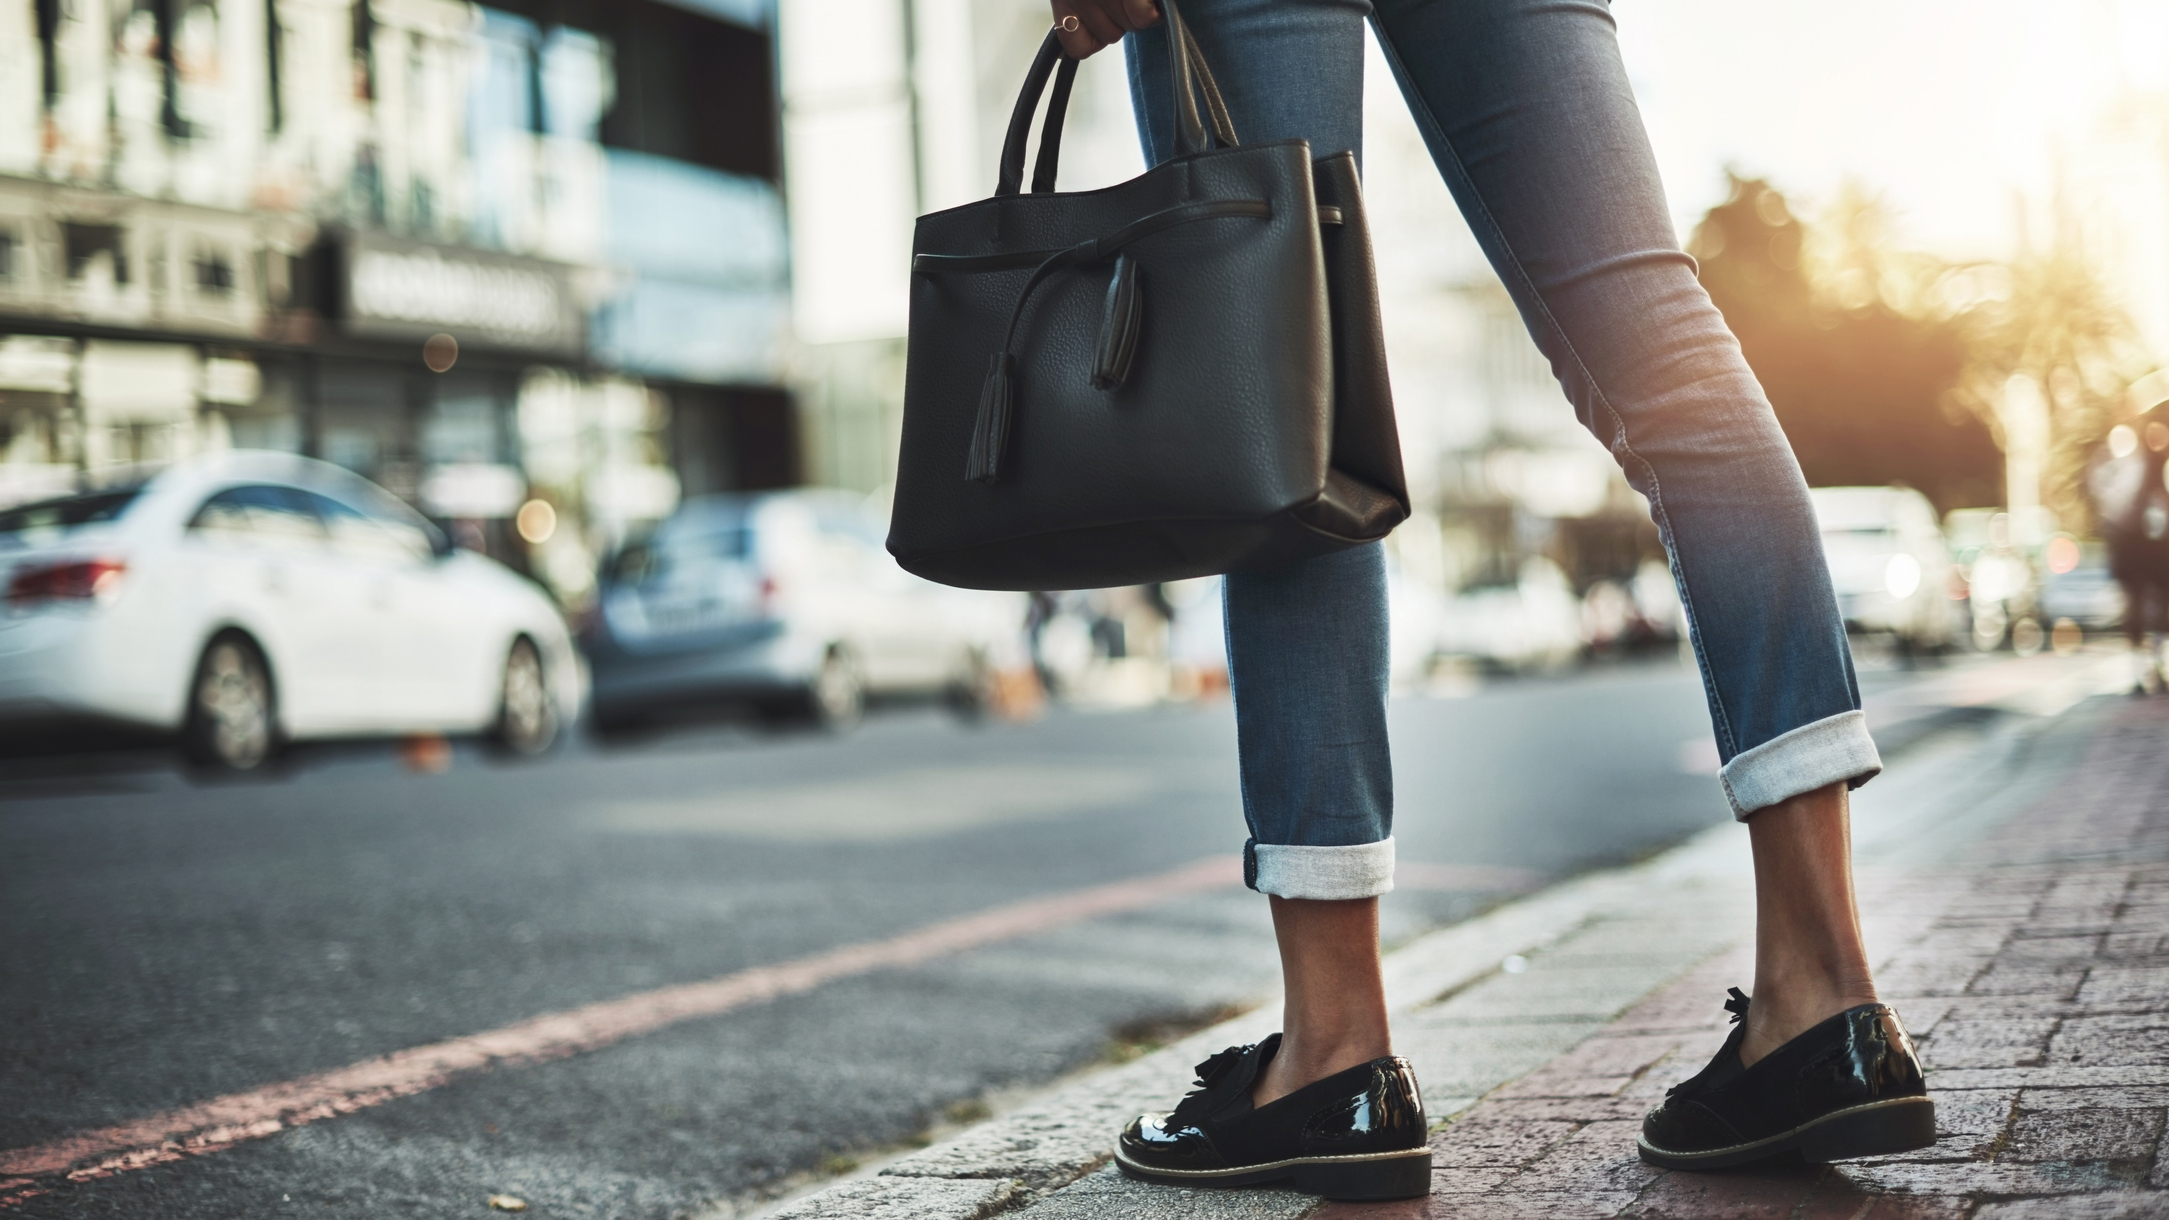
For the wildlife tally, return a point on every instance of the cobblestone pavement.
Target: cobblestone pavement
(2015, 895)
(2032, 965)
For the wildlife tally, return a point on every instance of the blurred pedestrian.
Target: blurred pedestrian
(2131, 499)
(1526, 107)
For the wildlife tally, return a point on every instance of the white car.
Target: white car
(784, 600)
(248, 599)
(1888, 562)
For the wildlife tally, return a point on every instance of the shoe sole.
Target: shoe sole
(1405, 1174)
(1878, 1128)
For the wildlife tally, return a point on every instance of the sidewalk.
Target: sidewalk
(2015, 888)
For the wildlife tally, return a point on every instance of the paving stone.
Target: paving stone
(1600, 1157)
(2121, 1205)
(1497, 1142)
(1470, 1179)
(2029, 979)
(1597, 992)
(2125, 943)
(1831, 1201)
(1473, 1059)
(1975, 1178)
(1969, 1122)
(1978, 1043)
(1565, 1109)
(2085, 1135)
(1755, 1195)
(2106, 1097)
(903, 1199)
(2126, 985)
(1507, 1205)
(2053, 1076)
(1929, 975)
(2062, 946)
(1695, 1000)
(1599, 1067)
(2117, 1041)
(1107, 1195)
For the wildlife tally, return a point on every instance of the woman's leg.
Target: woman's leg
(1527, 110)
(1306, 644)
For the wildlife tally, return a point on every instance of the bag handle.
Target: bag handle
(1191, 78)
(1020, 119)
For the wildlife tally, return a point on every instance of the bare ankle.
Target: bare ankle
(1782, 1012)
(1302, 1061)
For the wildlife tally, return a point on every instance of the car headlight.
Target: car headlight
(1901, 576)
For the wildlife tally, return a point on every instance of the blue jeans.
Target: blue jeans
(1526, 109)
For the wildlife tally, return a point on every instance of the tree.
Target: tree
(1865, 381)
(2048, 316)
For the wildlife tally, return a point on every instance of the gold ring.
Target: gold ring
(1068, 24)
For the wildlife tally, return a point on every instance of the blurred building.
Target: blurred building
(245, 222)
(893, 108)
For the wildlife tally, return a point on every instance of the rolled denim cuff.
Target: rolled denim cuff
(1809, 757)
(1361, 870)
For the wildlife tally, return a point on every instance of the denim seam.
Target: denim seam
(1242, 778)
(1727, 743)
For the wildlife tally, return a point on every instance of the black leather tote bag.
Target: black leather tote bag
(1177, 376)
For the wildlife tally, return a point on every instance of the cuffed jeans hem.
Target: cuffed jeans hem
(1809, 757)
(1361, 870)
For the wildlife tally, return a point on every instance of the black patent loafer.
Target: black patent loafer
(1358, 1134)
(1849, 1087)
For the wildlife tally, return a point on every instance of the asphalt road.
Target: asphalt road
(169, 943)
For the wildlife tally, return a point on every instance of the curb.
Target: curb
(1021, 1157)
(1471, 1019)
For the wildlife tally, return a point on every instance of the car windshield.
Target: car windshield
(30, 524)
(651, 558)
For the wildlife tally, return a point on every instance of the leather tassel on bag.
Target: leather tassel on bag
(1119, 326)
(990, 431)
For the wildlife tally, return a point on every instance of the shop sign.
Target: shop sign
(397, 289)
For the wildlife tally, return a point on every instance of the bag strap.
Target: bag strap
(1192, 78)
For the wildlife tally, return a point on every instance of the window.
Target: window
(88, 245)
(374, 537)
(9, 244)
(260, 515)
(214, 273)
(52, 518)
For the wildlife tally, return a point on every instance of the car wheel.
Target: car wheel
(526, 715)
(837, 696)
(970, 695)
(232, 722)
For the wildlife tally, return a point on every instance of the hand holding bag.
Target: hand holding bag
(1177, 376)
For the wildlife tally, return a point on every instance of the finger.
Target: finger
(1100, 25)
(1140, 14)
(1077, 42)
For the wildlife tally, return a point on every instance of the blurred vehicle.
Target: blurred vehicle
(246, 599)
(1888, 563)
(784, 600)
(1533, 624)
(2078, 588)
(1416, 623)
(1996, 581)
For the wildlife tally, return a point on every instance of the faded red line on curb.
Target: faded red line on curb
(236, 1118)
